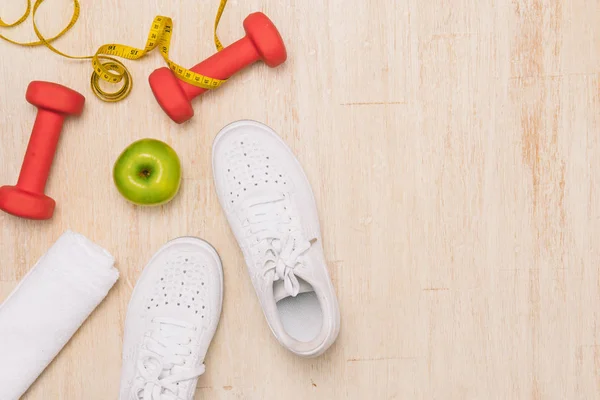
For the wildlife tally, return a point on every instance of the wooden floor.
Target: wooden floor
(454, 150)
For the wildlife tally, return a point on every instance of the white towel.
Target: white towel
(48, 306)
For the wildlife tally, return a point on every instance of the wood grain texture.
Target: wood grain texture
(454, 150)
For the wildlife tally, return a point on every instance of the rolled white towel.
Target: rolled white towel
(48, 306)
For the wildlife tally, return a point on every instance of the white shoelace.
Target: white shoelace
(162, 361)
(284, 248)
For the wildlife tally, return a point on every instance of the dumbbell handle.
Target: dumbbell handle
(223, 65)
(40, 151)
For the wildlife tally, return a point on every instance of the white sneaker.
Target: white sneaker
(171, 320)
(271, 209)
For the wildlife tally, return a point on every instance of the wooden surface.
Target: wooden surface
(454, 150)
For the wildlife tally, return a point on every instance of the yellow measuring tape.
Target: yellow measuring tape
(112, 70)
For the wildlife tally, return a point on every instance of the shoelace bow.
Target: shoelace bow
(164, 351)
(284, 249)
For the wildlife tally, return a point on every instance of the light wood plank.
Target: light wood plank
(453, 147)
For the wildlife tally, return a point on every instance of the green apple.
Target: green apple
(148, 172)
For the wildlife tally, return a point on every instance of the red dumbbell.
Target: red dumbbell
(27, 198)
(262, 42)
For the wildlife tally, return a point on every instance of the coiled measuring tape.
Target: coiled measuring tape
(108, 68)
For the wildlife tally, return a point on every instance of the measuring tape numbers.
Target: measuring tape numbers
(109, 69)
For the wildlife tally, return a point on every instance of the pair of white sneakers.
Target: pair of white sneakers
(176, 304)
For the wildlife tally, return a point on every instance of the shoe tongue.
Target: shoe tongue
(279, 292)
(171, 330)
